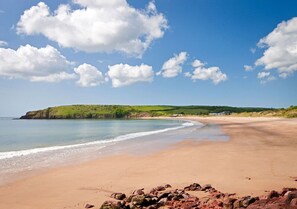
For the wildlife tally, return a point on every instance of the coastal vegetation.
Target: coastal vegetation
(127, 111)
(290, 112)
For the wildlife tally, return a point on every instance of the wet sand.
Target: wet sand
(260, 156)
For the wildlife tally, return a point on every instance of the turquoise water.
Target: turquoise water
(30, 145)
(18, 135)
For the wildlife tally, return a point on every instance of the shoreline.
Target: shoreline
(262, 149)
(81, 153)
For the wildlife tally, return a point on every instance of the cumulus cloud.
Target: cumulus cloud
(265, 77)
(123, 74)
(280, 49)
(96, 25)
(172, 67)
(34, 64)
(3, 43)
(203, 73)
(248, 68)
(89, 76)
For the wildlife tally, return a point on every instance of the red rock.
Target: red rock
(138, 192)
(167, 186)
(193, 187)
(272, 194)
(291, 195)
(89, 206)
(285, 190)
(118, 196)
(293, 202)
(206, 187)
(111, 205)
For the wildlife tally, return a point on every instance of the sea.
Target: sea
(36, 145)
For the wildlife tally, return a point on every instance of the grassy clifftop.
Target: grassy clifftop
(125, 111)
(290, 112)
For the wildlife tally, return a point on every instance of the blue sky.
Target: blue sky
(137, 52)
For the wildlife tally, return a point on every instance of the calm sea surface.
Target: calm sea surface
(18, 135)
(29, 145)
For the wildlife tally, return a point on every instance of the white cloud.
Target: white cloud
(280, 49)
(123, 74)
(187, 74)
(203, 73)
(3, 43)
(34, 64)
(89, 76)
(96, 25)
(263, 75)
(248, 68)
(197, 63)
(172, 67)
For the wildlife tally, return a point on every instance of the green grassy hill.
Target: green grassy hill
(290, 112)
(126, 111)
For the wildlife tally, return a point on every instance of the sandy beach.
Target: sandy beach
(260, 156)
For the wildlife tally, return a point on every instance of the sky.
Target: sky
(165, 52)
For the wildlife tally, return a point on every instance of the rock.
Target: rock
(138, 192)
(152, 207)
(248, 200)
(206, 187)
(129, 199)
(150, 200)
(171, 199)
(285, 190)
(293, 202)
(228, 202)
(237, 204)
(89, 206)
(139, 200)
(177, 197)
(193, 187)
(118, 196)
(178, 191)
(163, 201)
(167, 186)
(291, 195)
(163, 195)
(272, 194)
(111, 205)
(160, 188)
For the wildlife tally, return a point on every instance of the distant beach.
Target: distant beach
(259, 156)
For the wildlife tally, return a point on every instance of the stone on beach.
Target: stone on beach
(159, 197)
(118, 196)
(89, 206)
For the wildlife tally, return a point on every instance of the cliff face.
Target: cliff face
(39, 114)
(81, 113)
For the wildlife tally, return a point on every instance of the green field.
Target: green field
(126, 111)
(290, 112)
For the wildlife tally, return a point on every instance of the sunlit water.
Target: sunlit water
(27, 145)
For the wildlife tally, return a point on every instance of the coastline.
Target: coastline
(262, 149)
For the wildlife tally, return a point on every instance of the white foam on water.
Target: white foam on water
(20, 153)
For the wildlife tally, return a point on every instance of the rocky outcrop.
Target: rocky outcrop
(49, 113)
(39, 114)
(165, 197)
